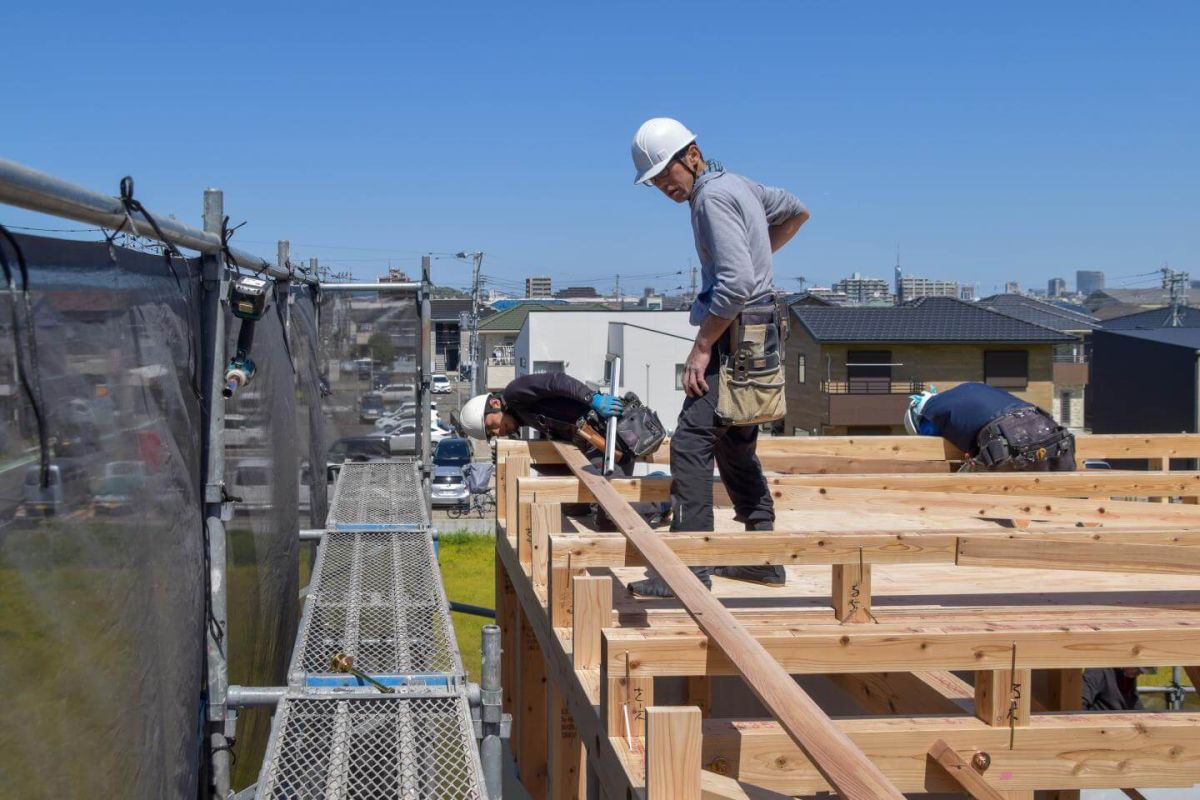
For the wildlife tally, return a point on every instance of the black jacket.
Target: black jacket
(549, 402)
(1107, 689)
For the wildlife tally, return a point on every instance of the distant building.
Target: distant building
(826, 293)
(912, 287)
(860, 290)
(1012, 287)
(850, 370)
(395, 276)
(1056, 287)
(1088, 281)
(538, 287)
(966, 293)
(576, 292)
(1125, 361)
(650, 300)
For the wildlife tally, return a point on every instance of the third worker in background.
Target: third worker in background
(997, 431)
(733, 375)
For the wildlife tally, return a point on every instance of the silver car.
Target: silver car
(449, 488)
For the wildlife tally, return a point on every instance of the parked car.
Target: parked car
(66, 490)
(449, 488)
(1095, 463)
(370, 407)
(398, 392)
(452, 452)
(252, 483)
(239, 433)
(440, 384)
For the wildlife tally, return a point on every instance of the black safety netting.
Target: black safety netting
(262, 472)
(102, 556)
(369, 344)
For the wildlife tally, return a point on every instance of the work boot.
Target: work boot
(764, 574)
(654, 586)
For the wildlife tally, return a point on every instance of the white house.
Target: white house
(652, 346)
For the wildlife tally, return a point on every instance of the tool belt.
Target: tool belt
(1020, 438)
(750, 368)
(639, 430)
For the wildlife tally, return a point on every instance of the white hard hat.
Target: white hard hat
(656, 143)
(472, 414)
(912, 414)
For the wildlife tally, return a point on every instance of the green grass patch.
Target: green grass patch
(468, 563)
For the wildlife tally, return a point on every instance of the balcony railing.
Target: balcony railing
(872, 386)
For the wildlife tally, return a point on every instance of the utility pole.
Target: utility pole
(473, 345)
(693, 269)
(617, 292)
(1176, 285)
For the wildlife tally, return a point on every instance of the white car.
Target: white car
(398, 392)
(440, 384)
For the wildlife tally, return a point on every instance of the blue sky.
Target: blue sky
(988, 142)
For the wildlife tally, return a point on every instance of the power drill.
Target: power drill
(248, 302)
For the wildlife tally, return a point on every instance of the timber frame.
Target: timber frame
(937, 625)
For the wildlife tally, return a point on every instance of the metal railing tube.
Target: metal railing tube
(247, 696)
(409, 288)
(490, 714)
(29, 188)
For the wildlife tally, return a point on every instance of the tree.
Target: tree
(381, 347)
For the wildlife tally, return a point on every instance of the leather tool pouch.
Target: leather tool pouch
(639, 431)
(750, 376)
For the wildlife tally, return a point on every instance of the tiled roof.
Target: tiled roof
(1152, 319)
(926, 319)
(1039, 312)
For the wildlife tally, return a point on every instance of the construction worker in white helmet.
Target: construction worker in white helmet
(733, 376)
(995, 430)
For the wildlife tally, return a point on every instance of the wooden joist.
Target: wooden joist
(900, 648)
(845, 768)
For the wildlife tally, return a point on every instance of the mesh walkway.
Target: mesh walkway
(376, 596)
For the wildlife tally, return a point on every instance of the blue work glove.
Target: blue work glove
(607, 405)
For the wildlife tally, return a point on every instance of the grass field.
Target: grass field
(468, 564)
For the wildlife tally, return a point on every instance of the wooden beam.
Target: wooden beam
(672, 753)
(508, 613)
(962, 772)
(940, 503)
(836, 547)
(1081, 555)
(1041, 484)
(966, 645)
(1003, 697)
(515, 467)
(939, 693)
(1107, 446)
(848, 465)
(1064, 693)
(1056, 751)
(851, 773)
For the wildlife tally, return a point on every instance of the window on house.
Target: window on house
(1007, 369)
(679, 377)
(1064, 409)
(548, 366)
(869, 371)
(800, 368)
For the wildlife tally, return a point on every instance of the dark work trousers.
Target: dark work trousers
(699, 440)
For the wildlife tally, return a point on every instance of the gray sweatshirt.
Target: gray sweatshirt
(730, 216)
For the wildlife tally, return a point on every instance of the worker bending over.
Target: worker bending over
(997, 431)
(552, 403)
(733, 376)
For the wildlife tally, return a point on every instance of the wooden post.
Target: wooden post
(516, 467)
(1064, 693)
(593, 612)
(1002, 699)
(532, 758)
(546, 519)
(852, 592)
(1162, 465)
(673, 753)
(567, 760)
(699, 693)
(623, 700)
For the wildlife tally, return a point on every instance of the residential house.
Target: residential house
(652, 345)
(1070, 359)
(850, 370)
(1109, 303)
(498, 337)
(1146, 381)
(1154, 319)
